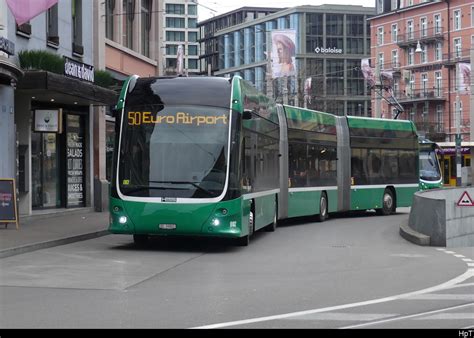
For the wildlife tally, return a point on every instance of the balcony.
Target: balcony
(420, 95)
(429, 35)
(450, 59)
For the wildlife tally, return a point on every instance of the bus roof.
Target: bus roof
(201, 90)
(384, 124)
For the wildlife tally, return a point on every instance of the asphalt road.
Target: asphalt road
(348, 272)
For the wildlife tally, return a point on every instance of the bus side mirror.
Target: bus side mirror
(247, 114)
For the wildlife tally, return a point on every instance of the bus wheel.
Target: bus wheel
(388, 203)
(140, 240)
(323, 208)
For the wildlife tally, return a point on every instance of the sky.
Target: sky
(209, 8)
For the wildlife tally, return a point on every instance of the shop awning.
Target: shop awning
(45, 86)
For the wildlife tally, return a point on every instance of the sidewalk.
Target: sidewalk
(53, 228)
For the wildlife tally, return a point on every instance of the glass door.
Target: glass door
(45, 171)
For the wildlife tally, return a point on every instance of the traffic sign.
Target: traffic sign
(465, 200)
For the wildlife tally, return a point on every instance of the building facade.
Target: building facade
(426, 45)
(209, 58)
(425, 78)
(180, 28)
(50, 142)
(330, 42)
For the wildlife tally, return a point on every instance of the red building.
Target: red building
(424, 43)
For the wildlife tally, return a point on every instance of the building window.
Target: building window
(192, 50)
(380, 36)
(174, 9)
(128, 18)
(109, 19)
(394, 4)
(354, 25)
(193, 64)
(424, 54)
(457, 47)
(77, 27)
(437, 24)
(192, 23)
(192, 36)
(439, 118)
(175, 23)
(334, 24)
(52, 25)
(424, 26)
(438, 51)
(472, 16)
(410, 32)
(395, 63)
(438, 84)
(192, 10)
(381, 60)
(424, 84)
(457, 20)
(146, 26)
(175, 36)
(394, 33)
(411, 56)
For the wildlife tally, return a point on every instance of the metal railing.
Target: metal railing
(434, 94)
(424, 35)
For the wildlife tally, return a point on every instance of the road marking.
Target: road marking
(407, 317)
(459, 256)
(467, 259)
(466, 275)
(346, 316)
(437, 296)
(449, 316)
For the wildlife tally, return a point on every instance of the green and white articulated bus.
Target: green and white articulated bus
(209, 156)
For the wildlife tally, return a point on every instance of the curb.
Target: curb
(52, 243)
(413, 236)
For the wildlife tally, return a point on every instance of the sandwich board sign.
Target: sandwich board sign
(465, 200)
(8, 207)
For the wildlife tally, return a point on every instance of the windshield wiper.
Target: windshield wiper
(208, 192)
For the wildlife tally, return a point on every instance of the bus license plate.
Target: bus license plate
(167, 226)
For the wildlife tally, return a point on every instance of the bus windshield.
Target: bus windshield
(429, 166)
(173, 151)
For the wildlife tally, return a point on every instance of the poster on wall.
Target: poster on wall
(48, 120)
(283, 53)
(75, 161)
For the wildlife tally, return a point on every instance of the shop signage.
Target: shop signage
(78, 70)
(321, 50)
(75, 162)
(8, 208)
(7, 46)
(48, 121)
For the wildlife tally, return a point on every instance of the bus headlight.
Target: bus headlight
(122, 219)
(216, 222)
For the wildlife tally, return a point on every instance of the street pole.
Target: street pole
(471, 115)
(458, 142)
(457, 120)
(378, 99)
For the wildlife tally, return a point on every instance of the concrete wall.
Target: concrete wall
(436, 214)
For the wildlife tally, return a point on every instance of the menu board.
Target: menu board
(75, 161)
(8, 210)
